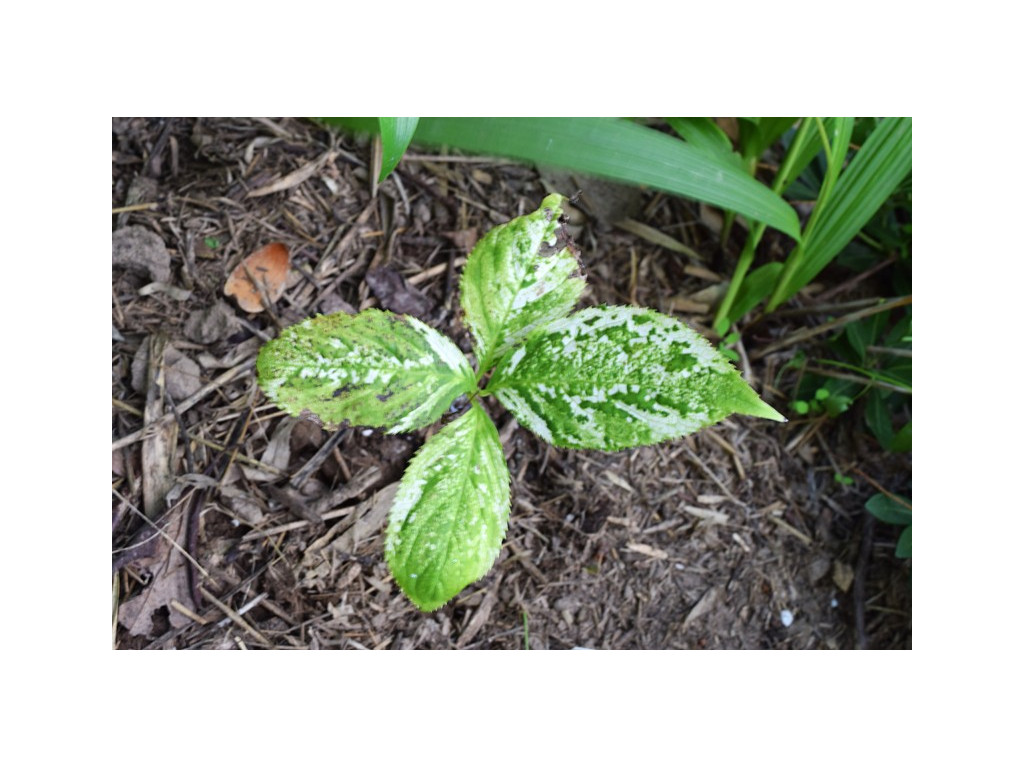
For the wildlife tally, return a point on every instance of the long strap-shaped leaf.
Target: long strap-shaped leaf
(873, 174)
(617, 377)
(450, 514)
(616, 149)
(395, 135)
(373, 369)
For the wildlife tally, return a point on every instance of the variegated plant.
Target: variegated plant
(604, 378)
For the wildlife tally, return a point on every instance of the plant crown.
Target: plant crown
(603, 378)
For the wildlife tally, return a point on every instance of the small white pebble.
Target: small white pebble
(834, 602)
(786, 617)
(367, 432)
(680, 567)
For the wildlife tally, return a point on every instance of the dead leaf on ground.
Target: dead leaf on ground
(324, 556)
(168, 571)
(842, 575)
(463, 239)
(243, 504)
(211, 323)
(182, 375)
(278, 454)
(334, 303)
(395, 293)
(142, 251)
(268, 267)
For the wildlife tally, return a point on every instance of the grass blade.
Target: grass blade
(872, 176)
(806, 153)
(727, 313)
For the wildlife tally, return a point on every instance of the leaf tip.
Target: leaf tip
(742, 399)
(755, 406)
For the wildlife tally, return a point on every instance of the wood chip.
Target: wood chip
(158, 447)
(703, 606)
(649, 551)
(657, 237)
(710, 515)
(619, 481)
(480, 617)
(294, 178)
(791, 530)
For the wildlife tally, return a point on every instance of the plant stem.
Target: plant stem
(746, 258)
(834, 165)
(807, 333)
(870, 382)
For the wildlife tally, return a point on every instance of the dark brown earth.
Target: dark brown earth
(235, 526)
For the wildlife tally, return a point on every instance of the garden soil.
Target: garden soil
(238, 527)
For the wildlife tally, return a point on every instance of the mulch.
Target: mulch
(236, 526)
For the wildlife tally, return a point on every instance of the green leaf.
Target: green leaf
(518, 277)
(901, 443)
(759, 133)
(616, 149)
(450, 513)
(865, 332)
(803, 153)
(873, 174)
(878, 418)
(704, 134)
(903, 545)
(373, 369)
(889, 510)
(395, 135)
(756, 286)
(617, 377)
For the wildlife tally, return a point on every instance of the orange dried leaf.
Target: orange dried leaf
(268, 267)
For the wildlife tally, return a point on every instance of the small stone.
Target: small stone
(786, 617)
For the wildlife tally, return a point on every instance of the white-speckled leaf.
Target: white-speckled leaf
(373, 369)
(451, 511)
(519, 276)
(617, 377)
